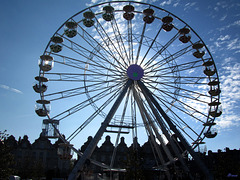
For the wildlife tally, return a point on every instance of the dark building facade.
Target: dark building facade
(41, 159)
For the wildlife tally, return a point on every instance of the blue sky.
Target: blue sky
(26, 27)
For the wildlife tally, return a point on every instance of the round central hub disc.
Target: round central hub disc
(135, 72)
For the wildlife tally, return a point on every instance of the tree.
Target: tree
(6, 157)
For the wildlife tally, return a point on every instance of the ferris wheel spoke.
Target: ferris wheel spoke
(153, 58)
(180, 102)
(82, 65)
(190, 111)
(88, 38)
(85, 53)
(78, 47)
(176, 82)
(183, 109)
(77, 78)
(182, 90)
(120, 43)
(177, 68)
(77, 91)
(169, 58)
(130, 41)
(91, 118)
(140, 42)
(109, 44)
(98, 48)
(84, 104)
(182, 125)
(186, 97)
(189, 97)
(151, 45)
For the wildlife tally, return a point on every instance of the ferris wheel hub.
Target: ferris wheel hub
(135, 72)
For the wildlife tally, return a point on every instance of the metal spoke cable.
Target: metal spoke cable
(185, 111)
(83, 63)
(140, 43)
(88, 59)
(82, 105)
(85, 33)
(101, 34)
(118, 36)
(188, 65)
(161, 50)
(183, 90)
(169, 58)
(130, 41)
(89, 120)
(76, 92)
(182, 108)
(150, 47)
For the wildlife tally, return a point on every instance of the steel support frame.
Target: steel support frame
(92, 145)
(195, 156)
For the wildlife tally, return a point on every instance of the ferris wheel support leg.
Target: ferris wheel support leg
(92, 145)
(195, 156)
(167, 135)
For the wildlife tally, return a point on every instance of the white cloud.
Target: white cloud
(223, 18)
(235, 23)
(168, 2)
(189, 5)
(10, 89)
(223, 38)
(225, 42)
(176, 4)
(228, 60)
(233, 44)
(230, 96)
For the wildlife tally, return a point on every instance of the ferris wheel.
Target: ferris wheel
(132, 70)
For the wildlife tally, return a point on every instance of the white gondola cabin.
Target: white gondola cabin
(88, 18)
(42, 107)
(70, 29)
(46, 63)
(214, 88)
(108, 13)
(39, 85)
(184, 35)
(128, 15)
(199, 53)
(216, 111)
(56, 44)
(49, 128)
(211, 133)
(148, 18)
(167, 23)
(209, 69)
